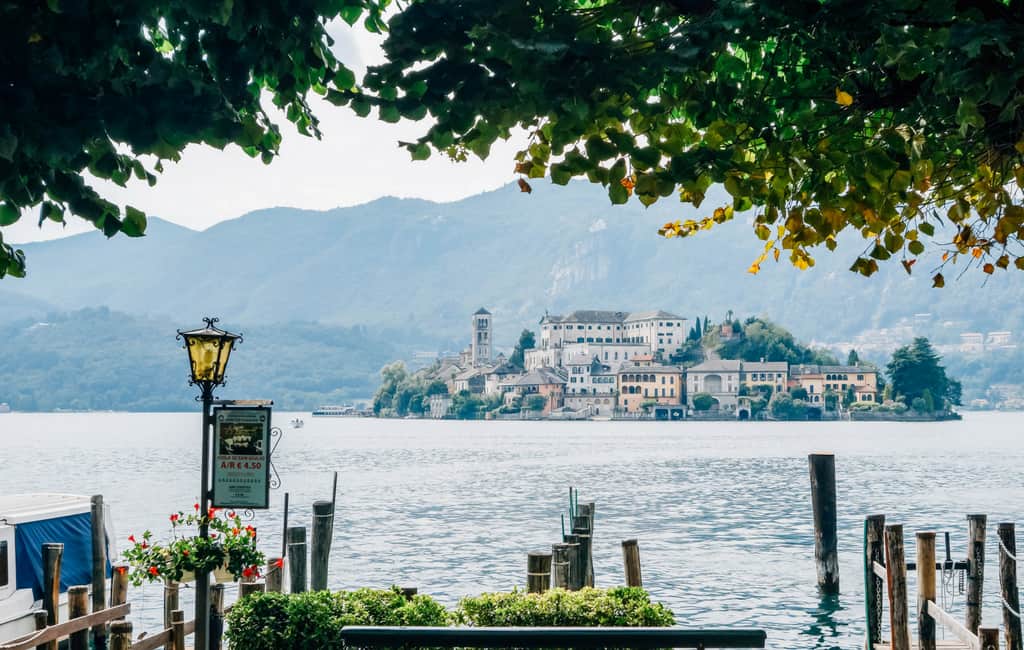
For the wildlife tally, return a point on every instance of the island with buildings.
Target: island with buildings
(599, 364)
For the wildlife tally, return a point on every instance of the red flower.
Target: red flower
(174, 518)
(235, 531)
(211, 513)
(121, 569)
(196, 506)
(247, 572)
(154, 571)
(279, 562)
(185, 552)
(144, 544)
(213, 535)
(231, 515)
(131, 538)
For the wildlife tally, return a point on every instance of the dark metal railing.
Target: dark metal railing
(549, 637)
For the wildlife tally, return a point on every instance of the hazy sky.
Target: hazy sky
(356, 161)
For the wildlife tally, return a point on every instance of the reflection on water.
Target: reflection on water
(721, 510)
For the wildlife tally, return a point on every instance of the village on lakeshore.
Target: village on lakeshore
(604, 365)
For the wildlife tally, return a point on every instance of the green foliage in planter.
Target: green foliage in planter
(314, 619)
(619, 606)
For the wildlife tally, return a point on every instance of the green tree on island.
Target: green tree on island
(852, 359)
(763, 339)
(526, 342)
(915, 370)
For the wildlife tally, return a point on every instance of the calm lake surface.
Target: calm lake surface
(721, 510)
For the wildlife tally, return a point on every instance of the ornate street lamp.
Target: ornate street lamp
(209, 349)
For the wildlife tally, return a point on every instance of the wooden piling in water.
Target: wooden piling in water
(823, 503)
(408, 592)
(248, 588)
(78, 605)
(216, 616)
(975, 571)
(896, 569)
(576, 573)
(1008, 585)
(925, 590)
(581, 528)
(631, 563)
(119, 585)
(41, 617)
(172, 591)
(589, 510)
(178, 629)
(121, 635)
(297, 558)
(538, 572)
(560, 566)
(274, 575)
(874, 551)
(99, 569)
(320, 553)
(52, 555)
(988, 638)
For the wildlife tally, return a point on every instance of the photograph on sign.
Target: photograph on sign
(241, 468)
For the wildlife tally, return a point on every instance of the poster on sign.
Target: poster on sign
(241, 466)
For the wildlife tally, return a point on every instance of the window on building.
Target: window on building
(672, 392)
(860, 377)
(663, 379)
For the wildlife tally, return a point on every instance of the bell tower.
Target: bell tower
(481, 342)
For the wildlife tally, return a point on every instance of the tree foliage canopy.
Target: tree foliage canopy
(898, 119)
(915, 372)
(114, 88)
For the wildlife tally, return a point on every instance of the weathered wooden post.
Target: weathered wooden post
(78, 605)
(119, 585)
(216, 615)
(925, 590)
(988, 638)
(52, 555)
(121, 635)
(99, 569)
(178, 629)
(320, 553)
(975, 570)
(631, 563)
(538, 572)
(560, 566)
(247, 588)
(581, 528)
(409, 592)
(576, 574)
(297, 558)
(172, 592)
(41, 617)
(1008, 585)
(823, 503)
(275, 574)
(896, 569)
(874, 551)
(589, 510)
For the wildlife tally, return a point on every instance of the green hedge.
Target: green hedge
(314, 619)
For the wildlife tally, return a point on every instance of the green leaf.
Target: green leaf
(350, 13)
(361, 106)
(617, 193)
(420, 152)
(915, 247)
(926, 228)
(389, 113)
(134, 224)
(561, 176)
(344, 78)
(8, 214)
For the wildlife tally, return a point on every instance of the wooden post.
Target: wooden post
(99, 569)
(52, 555)
(320, 553)
(178, 629)
(121, 635)
(588, 510)
(874, 551)
(41, 617)
(408, 592)
(925, 590)
(988, 638)
(216, 615)
(631, 562)
(896, 570)
(78, 605)
(119, 585)
(247, 588)
(538, 572)
(572, 543)
(975, 571)
(297, 558)
(172, 591)
(559, 566)
(1008, 585)
(581, 528)
(823, 503)
(274, 574)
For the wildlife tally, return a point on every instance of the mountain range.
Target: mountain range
(418, 265)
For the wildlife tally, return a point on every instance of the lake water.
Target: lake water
(721, 510)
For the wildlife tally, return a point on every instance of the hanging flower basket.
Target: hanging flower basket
(229, 552)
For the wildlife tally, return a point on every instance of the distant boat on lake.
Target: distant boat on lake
(334, 411)
(297, 423)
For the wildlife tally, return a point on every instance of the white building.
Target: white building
(612, 336)
(480, 344)
(591, 386)
(719, 378)
(501, 379)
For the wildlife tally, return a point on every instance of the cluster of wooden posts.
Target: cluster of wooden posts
(570, 564)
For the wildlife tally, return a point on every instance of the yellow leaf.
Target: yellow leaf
(776, 252)
(976, 252)
(945, 256)
(843, 98)
(754, 269)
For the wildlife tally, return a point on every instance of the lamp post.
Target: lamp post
(209, 349)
